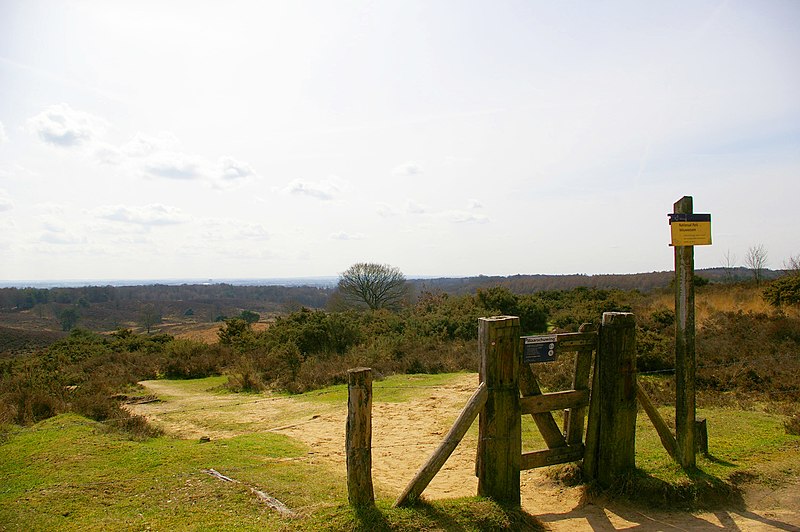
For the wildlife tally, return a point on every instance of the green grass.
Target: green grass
(743, 446)
(68, 473)
(738, 440)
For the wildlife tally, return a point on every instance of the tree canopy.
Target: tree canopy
(374, 285)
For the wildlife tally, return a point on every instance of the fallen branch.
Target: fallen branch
(272, 502)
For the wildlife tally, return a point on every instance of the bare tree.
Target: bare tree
(756, 260)
(729, 265)
(792, 264)
(374, 285)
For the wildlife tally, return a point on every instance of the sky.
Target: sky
(157, 140)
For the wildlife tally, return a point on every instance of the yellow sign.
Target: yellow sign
(690, 229)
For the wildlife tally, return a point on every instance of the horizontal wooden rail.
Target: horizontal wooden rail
(537, 404)
(547, 457)
(576, 341)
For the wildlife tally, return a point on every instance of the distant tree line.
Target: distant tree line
(27, 298)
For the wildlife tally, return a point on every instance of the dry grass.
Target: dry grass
(724, 298)
(207, 332)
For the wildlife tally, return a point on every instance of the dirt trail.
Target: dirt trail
(405, 434)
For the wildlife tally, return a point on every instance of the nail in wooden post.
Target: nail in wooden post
(358, 444)
(616, 438)
(499, 425)
(685, 405)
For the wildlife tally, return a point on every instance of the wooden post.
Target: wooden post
(684, 346)
(701, 436)
(358, 444)
(500, 423)
(445, 449)
(613, 438)
(574, 418)
(664, 433)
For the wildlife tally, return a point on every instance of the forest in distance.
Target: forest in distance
(312, 291)
(111, 307)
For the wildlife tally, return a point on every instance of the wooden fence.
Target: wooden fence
(508, 390)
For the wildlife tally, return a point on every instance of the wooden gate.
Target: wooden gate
(566, 446)
(509, 389)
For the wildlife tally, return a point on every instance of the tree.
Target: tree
(729, 265)
(249, 316)
(149, 316)
(792, 265)
(756, 260)
(68, 318)
(374, 285)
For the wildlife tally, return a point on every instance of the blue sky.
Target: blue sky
(279, 139)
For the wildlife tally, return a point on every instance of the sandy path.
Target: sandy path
(405, 434)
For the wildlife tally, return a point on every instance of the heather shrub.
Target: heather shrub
(189, 359)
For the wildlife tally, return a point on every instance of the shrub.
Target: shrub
(792, 424)
(189, 359)
(783, 291)
(245, 377)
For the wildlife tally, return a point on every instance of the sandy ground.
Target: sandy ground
(404, 436)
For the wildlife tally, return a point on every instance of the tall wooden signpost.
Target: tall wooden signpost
(687, 230)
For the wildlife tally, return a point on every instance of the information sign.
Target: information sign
(690, 229)
(541, 348)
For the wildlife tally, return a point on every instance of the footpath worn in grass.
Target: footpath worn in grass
(70, 473)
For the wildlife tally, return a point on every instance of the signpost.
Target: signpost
(688, 230)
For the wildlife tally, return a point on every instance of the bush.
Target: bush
(792, 424)
(189, 359)
(783, 291)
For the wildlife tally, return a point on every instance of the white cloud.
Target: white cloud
(5, 202)
(3, 136)
(61, 125)
(174, 165)
(406, 169)
(475, 204)
(325, 189)
(142, 144)
(385, 210)
(231, 172)
(413, 207)
(341, 235)
(108, 154)
(148, 215)
(62, 238)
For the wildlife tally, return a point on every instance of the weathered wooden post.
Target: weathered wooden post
(611, 438)
(358, 437)
(499, 425)
(684, 345)
(574, 418)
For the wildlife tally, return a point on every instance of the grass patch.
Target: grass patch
(392, 389)
(213, 384)
(465, 514)
(743, 446)
(65, 473)
(68, 474)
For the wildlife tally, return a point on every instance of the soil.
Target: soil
(404, 436)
